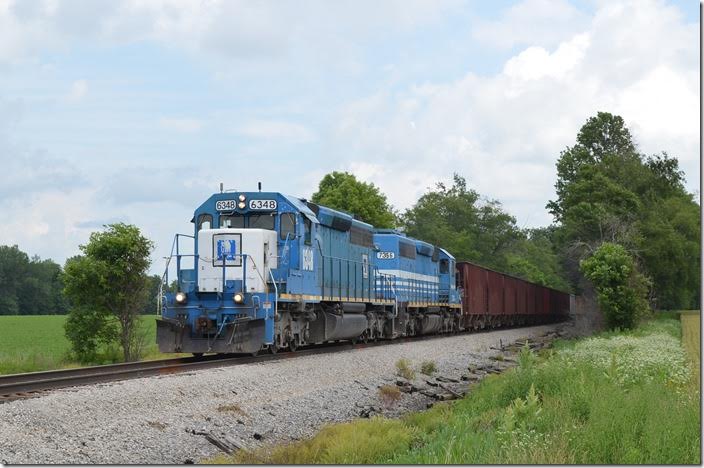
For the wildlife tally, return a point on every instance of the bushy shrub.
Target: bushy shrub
(621, 290)
(88, 331)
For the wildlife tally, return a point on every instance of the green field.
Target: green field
(31, 343)
(691, 336)
(617, 398)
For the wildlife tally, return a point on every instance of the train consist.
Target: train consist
(271, 271)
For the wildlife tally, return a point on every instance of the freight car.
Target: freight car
(271, 271)
(266, 270)
(491, 299)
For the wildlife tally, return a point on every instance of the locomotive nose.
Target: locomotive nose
(237, 261)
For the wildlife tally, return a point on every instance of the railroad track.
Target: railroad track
(34, 384)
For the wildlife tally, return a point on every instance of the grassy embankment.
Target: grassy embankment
(611, 399)
(31, 343)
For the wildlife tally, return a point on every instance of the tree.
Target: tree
(456, 219)
(110, 281)
(600, 137)
(534, 258)
(13, 270)
(153, 286)
(480, 231)
(608, 192)
(621, 290)
(342, 191)
(29, 286)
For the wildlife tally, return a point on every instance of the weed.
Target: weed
(157, 425)
(356, 442)
(404, 369)
(428, 368)
(389, 394)
(526, 358)
(231, 408)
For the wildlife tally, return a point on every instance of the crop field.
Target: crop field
(31, 343)
(691, 336)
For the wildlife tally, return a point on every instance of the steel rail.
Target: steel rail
(28, 385)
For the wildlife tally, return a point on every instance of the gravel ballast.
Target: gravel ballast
(166, 419)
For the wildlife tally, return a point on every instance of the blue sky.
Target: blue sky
(136, 110)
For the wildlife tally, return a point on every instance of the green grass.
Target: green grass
(619, 398)
(691, 337)
(30, 343)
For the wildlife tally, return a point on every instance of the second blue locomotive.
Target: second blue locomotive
(271, 271)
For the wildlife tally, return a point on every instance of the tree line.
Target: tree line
(32, 286)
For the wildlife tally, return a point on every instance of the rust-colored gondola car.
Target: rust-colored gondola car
(493, 299)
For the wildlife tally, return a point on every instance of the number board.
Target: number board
(262, 204)
(225, 205)
(385, 255)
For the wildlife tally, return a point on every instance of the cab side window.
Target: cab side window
(307, 236)
(287, 226)
(205, 221)
(444, 266)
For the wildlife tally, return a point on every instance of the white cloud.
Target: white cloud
(38, 227)
(236, 29)
(505, 132)
(276, 130)
(183, 125)
(535, 63)
(78, 90)
(542, 23)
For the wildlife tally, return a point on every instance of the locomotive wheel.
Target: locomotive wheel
(273, 348)
(254, 353)
(292, 345)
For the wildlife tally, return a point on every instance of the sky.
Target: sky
(136, 110)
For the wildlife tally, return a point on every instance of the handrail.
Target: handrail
(165, 276)
(276, 296)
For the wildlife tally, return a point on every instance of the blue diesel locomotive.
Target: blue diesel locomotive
(271, 271)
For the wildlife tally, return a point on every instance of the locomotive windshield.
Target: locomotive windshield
(262, 221)
(232, 221)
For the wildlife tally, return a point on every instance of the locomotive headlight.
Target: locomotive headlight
(238, 298)
(181, 297)
(242, 198)
(241, 205)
